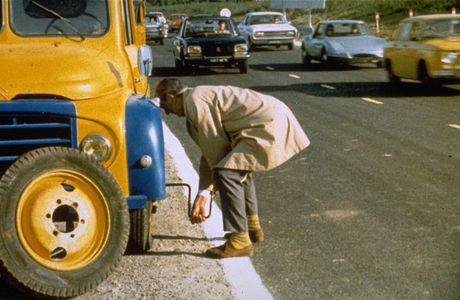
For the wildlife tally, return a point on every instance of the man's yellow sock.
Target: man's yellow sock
(240, 240)
(253, 222)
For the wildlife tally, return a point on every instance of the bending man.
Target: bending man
(238, 131)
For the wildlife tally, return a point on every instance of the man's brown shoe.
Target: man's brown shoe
(227, 251)
(255, 235)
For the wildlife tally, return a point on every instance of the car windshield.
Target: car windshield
(67, 18)
(435, 29)
(266, 19)
(154, 18)
(208, 27)
(346, 29)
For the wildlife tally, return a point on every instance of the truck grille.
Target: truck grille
(22, 133)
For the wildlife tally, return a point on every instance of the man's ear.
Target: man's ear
(170, 98)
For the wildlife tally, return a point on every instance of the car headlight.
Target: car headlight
(290, 33)
(240, 48)
(96, 146)
(449, 57)
(258, 34)
(194, 50)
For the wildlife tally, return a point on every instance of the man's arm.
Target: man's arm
(205, 188)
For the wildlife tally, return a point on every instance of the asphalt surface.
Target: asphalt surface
(371, 210)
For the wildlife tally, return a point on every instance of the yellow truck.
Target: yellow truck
(81, 142)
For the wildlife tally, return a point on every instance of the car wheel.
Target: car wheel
(422, 74)
(291, 46)
(324, 57)
(183, 66)
(140, 236)
(251, 44)
(306, 59)
(243, 66)
(391, 76)
(64, 223)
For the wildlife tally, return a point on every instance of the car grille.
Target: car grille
(275, 34)
(218, 50)
(22, 133)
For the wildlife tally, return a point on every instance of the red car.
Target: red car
(175, 20)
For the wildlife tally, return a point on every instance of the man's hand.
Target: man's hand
(199, 210)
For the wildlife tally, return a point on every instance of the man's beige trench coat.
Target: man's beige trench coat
(240, 129)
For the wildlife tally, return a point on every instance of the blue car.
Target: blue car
(342, 41)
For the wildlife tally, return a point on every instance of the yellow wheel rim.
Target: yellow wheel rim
(63, 220)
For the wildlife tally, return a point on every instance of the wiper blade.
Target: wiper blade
(65, 20)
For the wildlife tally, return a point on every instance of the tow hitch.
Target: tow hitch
(189, 196)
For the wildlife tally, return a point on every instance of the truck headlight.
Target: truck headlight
(290, 33)
(258, 34)
(194, 50)
(96, 146)
(449, 58)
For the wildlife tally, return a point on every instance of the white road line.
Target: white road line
(372, 101)
(239, 272)
(456, 126)
(270, 68)
(294, 76)
(328, 87)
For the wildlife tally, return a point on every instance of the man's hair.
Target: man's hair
(168, 86)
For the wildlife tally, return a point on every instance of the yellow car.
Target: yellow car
(427, 50)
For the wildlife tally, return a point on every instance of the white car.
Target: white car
(267, 28)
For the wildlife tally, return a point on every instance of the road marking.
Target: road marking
(239, 271)
(372, 101)
(270, 68)
(328, 87)
(456, 126)
(294, 76)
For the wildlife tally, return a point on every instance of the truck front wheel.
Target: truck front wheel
(140, 237)
(64, 223)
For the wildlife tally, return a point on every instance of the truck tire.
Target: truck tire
(64, 223)
(140, 237)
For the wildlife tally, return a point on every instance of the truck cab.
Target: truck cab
(81, 142)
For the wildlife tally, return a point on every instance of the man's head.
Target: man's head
(169, 92)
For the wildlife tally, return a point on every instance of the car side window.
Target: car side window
(416, 32)
(319, 31)
(405, 31)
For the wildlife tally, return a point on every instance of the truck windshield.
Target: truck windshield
(54, 17)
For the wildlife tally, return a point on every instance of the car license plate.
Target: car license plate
(273, 42)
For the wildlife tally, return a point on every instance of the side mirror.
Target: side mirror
(145, 60)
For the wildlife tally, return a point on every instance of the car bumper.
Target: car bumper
(215, 60)
(272, 41)
(156, 35)
(446, 75)
(355, 59)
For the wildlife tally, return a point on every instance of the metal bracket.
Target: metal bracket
(189, 196)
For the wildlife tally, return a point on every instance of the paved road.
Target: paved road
(372, 209)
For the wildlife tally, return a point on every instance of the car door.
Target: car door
(315, 45)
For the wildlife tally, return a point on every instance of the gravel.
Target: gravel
(174, 268)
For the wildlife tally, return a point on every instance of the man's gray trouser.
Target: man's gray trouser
(238, 198)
